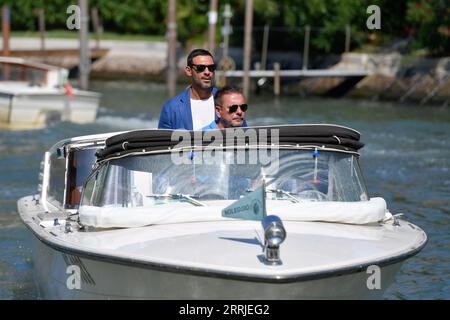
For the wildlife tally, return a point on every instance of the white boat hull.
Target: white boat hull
(28, 111)
(35, 94)
(199, 254)
(216, 260)
(107, 280)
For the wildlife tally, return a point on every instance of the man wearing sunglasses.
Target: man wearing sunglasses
(230, 107)
(193, 108)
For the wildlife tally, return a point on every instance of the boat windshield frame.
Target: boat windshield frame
(354, 155)
(54, 185)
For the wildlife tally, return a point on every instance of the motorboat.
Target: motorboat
(274, 212)
(35, 94)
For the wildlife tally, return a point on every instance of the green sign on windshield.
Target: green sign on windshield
(250, 207)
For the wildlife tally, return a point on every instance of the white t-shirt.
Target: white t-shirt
(202, 112)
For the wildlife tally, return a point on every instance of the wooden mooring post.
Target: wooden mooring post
(276, 79)
(265, 46)
(172, 46)
(212, 20)
(85, 60)
(306, 48)
(247, 45)
(6, 29)
(226, 29)
(97, 27)
(6, 18)
(40, 13)
(347, 38)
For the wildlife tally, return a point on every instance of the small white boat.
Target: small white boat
(35, 94)
(150, 214)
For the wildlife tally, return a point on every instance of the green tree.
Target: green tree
(430, 22)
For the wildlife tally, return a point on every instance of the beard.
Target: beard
(199, 82)
(234, 123)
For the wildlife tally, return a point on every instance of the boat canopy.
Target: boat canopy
(316, 135)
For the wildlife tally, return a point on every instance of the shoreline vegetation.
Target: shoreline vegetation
(132, 35)
(424, 23)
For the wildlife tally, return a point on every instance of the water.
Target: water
(406, 160)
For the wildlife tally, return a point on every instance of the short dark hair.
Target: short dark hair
(225, 90)
(197, 52)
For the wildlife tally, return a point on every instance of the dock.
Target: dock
(296, 73)
(351, 73)
(113, 57)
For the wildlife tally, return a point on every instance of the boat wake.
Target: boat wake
(125, 123)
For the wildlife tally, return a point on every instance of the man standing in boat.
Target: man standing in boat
(193, 108)
(230, 108)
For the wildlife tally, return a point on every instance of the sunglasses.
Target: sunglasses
(234, 107)
(202, 67)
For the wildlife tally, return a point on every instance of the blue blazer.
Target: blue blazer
(176, 113)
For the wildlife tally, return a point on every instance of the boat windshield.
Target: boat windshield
(24, 73)
(293, 175)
